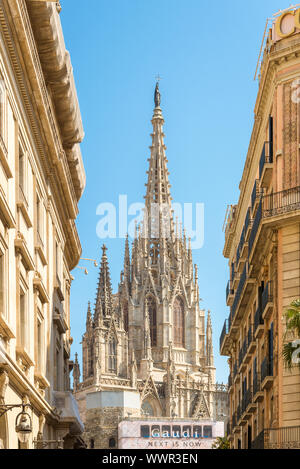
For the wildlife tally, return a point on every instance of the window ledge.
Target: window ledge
(20, 243)
(23, 207)
(6, 328)
(5, 211)
(40, 287)
(4, 159)
(22, 354)
(41, 378)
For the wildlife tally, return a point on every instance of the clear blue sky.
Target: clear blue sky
(206, 54)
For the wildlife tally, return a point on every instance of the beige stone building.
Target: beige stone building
(147, 350)
(262, 243)
(41, 180)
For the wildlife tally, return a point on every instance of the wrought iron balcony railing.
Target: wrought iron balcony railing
(266, 157)
(224, 333)
(256, 383)
(250, 335)
(243, 351)
(267, 296)
(258, 320)
(255, 226)
(278, 438)
(281, 202)
(255, 193)
(239, 292)
(266, 368)
(235, 370)
(247, 398)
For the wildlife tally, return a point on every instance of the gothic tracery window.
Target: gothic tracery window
(178, 322)
(112, 355)
(151, 308)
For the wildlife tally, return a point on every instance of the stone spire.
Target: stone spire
(158, 198)
(76, 373)
(89, 319)
(104, 305)
(127, 260)
(209, 342)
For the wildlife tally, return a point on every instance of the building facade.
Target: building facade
(41, 180)
(262, 242)
(147, 350)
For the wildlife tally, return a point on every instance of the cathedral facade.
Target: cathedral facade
(147, 350)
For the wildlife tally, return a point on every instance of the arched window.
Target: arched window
(125, 315)
(112, 355)
(92, 444)
(151, 308)
(112, 443)
(178, 322)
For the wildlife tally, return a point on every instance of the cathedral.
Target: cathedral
(147, 351)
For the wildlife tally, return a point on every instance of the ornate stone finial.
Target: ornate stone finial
(157, 95)
(104, 249)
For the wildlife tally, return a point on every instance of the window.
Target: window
(57, 368)
(22, 319)
(92, 444)
(39, 342)
(112, 356)
(3, 111)
(178, 322)
(151, 308)
(39, 218)
(56, 259)
(21, 169)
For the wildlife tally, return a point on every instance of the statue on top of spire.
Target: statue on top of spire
(157, 95)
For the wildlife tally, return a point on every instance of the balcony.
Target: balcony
(224, 335)
(266, 373)
(255, 195)
(228, 430)
(267, 301)
(258, 394)
(255, 227)
(229, 293)
(39, 247)
(278, 438)
(248, 405)
(266, 165)
(242, 354)
(281, 203)
(239, 292)
(236, 376)
(247, 224)
(239, 415)
(23, 205)
(258, 323)
(251, 343)
(60, 321)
